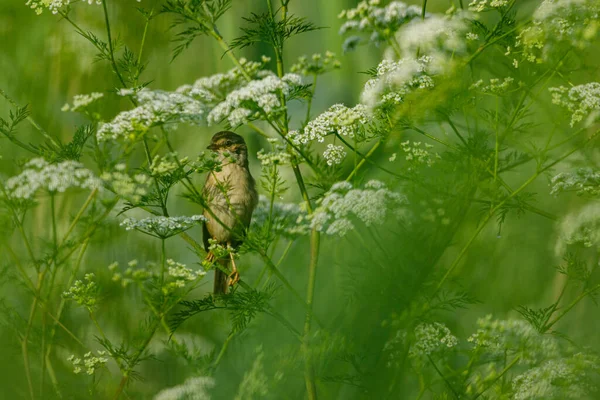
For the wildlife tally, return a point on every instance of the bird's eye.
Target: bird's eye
(228, 143)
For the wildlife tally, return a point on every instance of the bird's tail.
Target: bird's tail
(221, 278)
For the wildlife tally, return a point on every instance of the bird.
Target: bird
(230, 199)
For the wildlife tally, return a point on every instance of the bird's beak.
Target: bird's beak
(212, 147)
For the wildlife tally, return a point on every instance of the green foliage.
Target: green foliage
(408, 221)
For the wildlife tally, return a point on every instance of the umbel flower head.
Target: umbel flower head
(380, 23)
(39, 174)
(343, 203)
(255, 100)
(338, 119)
(156, 108)
(558, 24)
(560, 379)
(162, 227)
(583, 101)
(287, 219)
(584, 181)
(396, 79)
(194, 104)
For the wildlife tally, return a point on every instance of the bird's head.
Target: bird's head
(229, 143)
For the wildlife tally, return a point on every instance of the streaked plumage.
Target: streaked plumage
(231, 198)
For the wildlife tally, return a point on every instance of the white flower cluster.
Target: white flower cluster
(318, 64)
(132, 274)
(584, 181)
(277, 156)
(342, 203)
(395, 79)
(131, 188)
(581, 227)
(54, 5)
(395, 348)
(339, 118)
(162, 227)
(380, 22)
(431, 338)
(82, 101)
(156, 108)
(181, 272)
(515, 336)
(334, 154)
(563, 378)
(255, 383)
(55, 178)
(166, 164)
(90, 362)
(258, 98)
(196, 388)
(213, 89)
(494, 86)
(485, 5)
(440, 36)
(572, 23)
(583, 101)
(83, 293)
(417, 154)
(288, 219)
(192, 103)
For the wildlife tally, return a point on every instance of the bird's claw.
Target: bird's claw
(234, 278)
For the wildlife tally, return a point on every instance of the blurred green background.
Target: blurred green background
(43, 63)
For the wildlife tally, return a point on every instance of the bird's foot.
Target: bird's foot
(234, 278)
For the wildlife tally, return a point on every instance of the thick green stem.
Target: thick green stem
(309, 374)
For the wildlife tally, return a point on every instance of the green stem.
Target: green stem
(504, 371)
(310, 99)
(496, 208)
(162, 262)
(110, 45)
(363, 160)
(570, 306)
(78, 216)
(309, 375)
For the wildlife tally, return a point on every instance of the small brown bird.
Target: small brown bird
(231, 197)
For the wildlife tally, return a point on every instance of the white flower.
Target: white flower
(584, 181)
(514, 336)
(278, 156)
(317, 64)
(90, 362)
(482, 5)
(196, 388)
(439, 36)
(339, 118)
(431, 338)
(583, 101)
(380, 22)
(580, 227)
(162, 227)
(334, 154)
(156, 108)
(181, 271)
(213, 89)
(417, 154)
(257, 99)
(287, 219)
(81, 101)
(564, 378)
(55, 178)
(131, 188)
(342, 203)
(570, 23)
(396, 79)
